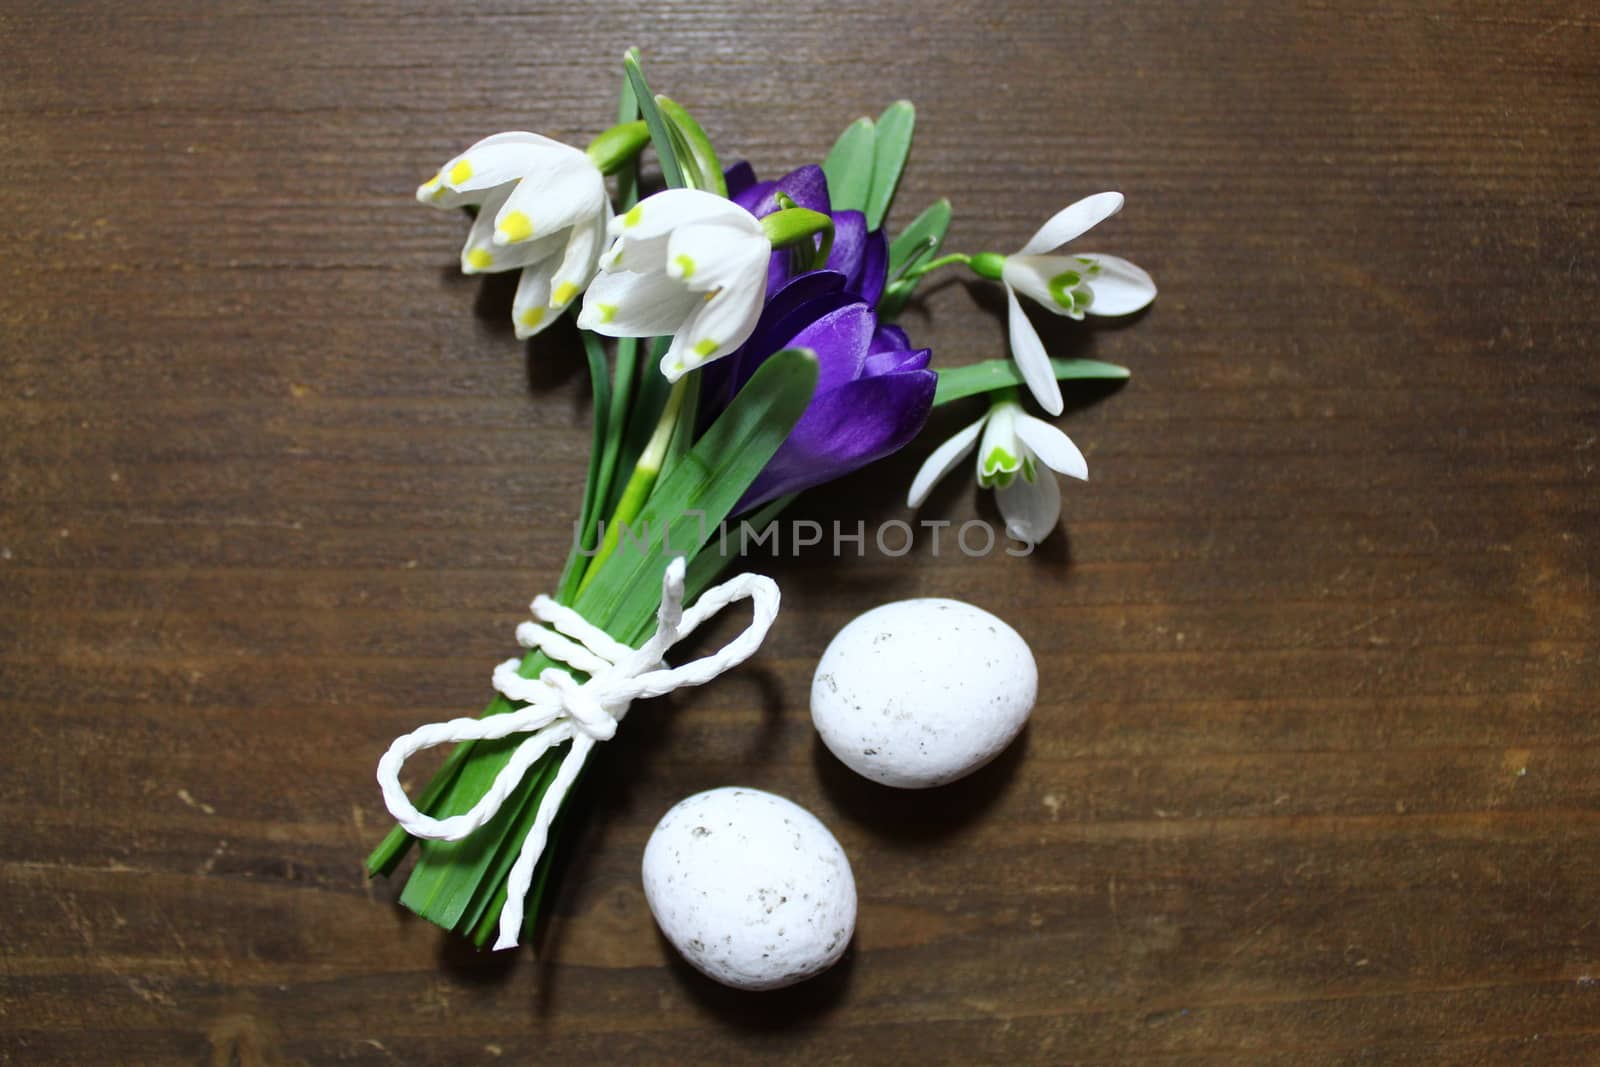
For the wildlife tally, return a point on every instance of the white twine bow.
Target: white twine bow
(559, 709)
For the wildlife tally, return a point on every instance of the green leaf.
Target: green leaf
(992, 374)
(700, 156)
(628, 111)
(895, 127)
(660, 132)
(894, 299)
(912, 243)
(709, 480)
(452, 883)
(595, 490)
(849, 166)
(392, 849)
(707, 566)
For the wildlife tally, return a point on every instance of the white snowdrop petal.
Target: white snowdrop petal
(480, 255)
(625, 304)
(751, 888)
(643, 231)
(1053, 448)
(1031, 509)
(493, 162)
(658, 215)
(1121, 288)
(942, 461)
(1047, 280)
(562, 190)
(1032, 360)
(718, 323)
(530, 309)
(1072, 222)
(707, 256)
(921, 692)
(580, 258)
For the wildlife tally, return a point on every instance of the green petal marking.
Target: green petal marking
(1062, 285)
(685, 264)
(997, 462)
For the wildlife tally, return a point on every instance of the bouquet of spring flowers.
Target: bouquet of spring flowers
(755, 357)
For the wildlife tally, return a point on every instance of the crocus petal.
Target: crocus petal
(565, 189)
(494, 161)
(840, 339)
(1120, 288)
(844, 430)
(888, 338)
(530, 308)
(1032, 360)
(1047, 280)
(1072, 221)
(739, 177)
(806, 186)
(1053, 448)
(942, 461)
(892, 362)
(874, 267)
(625, 304)
(1031, 509)
(849, 246)
(799, 303)
(787, 312)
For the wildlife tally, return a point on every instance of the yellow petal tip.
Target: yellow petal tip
(513, 226)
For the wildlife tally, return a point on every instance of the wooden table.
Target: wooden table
(1314, 773)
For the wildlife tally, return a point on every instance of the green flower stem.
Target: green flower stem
(1009, 395)
(932, 265)
(683, 426)
(641, 481)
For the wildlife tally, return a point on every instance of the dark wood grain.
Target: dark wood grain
(1315, 775)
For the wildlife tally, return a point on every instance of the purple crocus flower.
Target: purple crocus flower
(874, 390)
(862, 257)
(873, 393)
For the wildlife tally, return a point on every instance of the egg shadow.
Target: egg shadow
(793, 1008)
(917, 815)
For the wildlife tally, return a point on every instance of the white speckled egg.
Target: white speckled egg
(750, 887)
(921, 692)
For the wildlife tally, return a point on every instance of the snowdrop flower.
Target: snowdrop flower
(1070, 285)
(684, 262)
(542, 208)
(1013, 448)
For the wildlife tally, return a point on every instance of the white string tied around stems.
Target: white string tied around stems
(559, 709)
